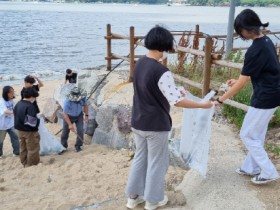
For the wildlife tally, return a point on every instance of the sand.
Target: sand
(96, 177)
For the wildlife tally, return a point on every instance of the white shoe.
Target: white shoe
(0, 157)
(132, 203)
(153, 206)
(242, 172)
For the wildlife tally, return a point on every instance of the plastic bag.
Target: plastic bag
(48, 142)
(192, 150)
(195, 135)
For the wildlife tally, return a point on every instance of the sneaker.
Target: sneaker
(153, 206)
(78, 149)
(241, 172)
(259, 180)
(1, 157)
(132, 203)
(15, 155)
(60, 153)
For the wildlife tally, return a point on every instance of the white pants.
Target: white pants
(253, 133)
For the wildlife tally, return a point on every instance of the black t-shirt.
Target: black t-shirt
(36, 87)
(262, 65)
(150, 110)
(72, 78)
(23, 108)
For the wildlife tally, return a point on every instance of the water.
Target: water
(48, 38)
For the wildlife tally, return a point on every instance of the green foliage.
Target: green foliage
(273, 148)
(237, 115)
(237, 2)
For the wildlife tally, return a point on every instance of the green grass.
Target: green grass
(273, 148)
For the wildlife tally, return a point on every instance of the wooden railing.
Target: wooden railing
(208, 55)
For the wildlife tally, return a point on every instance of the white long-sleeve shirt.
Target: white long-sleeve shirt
(6, 120)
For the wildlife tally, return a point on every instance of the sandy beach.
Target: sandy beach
(68, 181)
(96, 177)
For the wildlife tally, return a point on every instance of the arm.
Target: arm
(236, 87)
(66, 79)
(4, 109)
(40, 83)
(8, 112)
(68, 121)
(185, 103)
(176, 95)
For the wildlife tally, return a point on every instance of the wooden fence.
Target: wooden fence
(209, 56)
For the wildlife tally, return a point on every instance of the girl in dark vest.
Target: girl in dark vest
(154, 92)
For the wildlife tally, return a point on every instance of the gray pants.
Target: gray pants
(150, 164)
(79, 122)
(14, 140)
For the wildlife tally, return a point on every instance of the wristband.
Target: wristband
(220, 102)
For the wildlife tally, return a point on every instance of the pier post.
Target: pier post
(207, 65)
(109, 48)
(131, 53)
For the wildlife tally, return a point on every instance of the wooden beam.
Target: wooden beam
(115, 56)
(228, 64)
(191, 50)
(214, 56)
(236, 105)
(187, 81)
(119, 36)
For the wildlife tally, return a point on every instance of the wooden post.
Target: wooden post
(196, 43)
(131, 52)
(207, 65)
(196, 38)
(279, 53)
(109, 48)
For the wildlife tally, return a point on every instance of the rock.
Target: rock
(109, 131)
(50, 109)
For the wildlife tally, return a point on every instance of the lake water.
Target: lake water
(48, 38)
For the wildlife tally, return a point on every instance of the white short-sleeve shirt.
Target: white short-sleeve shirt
(168, 88)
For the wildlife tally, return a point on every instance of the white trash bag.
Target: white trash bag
(192, 150)
(48, 142)
(196, 134)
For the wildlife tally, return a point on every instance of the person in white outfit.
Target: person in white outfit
(261, 66)
(7, 120)
(154, 92)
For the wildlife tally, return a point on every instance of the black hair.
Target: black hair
(159, 38)
(248, 20)
(5, 92)
(29, 79)
(29, 92)
(68, 71)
